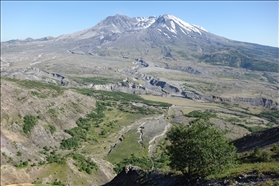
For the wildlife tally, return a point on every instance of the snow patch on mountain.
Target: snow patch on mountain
(183, 31)
(172, 29)
(122, 24)
(184, 25)
(201, 28)
(166, 35)
(144, 22)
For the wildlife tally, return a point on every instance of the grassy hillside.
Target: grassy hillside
(52, 134)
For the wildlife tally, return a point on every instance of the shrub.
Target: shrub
(265, 156)
(69, 143)
(52, 129)
(275, 149)
(256, 153)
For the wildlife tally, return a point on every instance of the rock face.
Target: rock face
(130, 88)
(263, 102)
(142, 63)
(190, 70)
(165, 87)
(268, 103)
(193, 95)
(32, 73)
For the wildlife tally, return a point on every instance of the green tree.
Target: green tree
(69, 143)
(88, 170)
(199, 149)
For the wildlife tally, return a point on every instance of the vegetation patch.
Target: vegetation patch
(96, 80)
(128, 107)
(271, 115)
(58, 90)
(29, 123)
(84, 164)
(55, 158)
(60, 174)
(80, 133)
(160, 156)
(120, 96)
(22, 164)
(142, 162)
(245, 168)
(52, 112)
(258, 161)
(233, 120)
(235, 58)
(69, 143)
(200, 114)
(252, 129)
(126, 148)
(58, 183)
(52, 129)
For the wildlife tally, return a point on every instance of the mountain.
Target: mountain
(165, 37)
(171, 35)
(123, 24)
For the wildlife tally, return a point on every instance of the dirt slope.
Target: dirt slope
(259, 139)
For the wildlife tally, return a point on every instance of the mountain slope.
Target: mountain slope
(146, 34)
(160, 38)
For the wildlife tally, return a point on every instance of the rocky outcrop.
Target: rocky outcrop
(129, 88)
(36, 74)
(128, 176)
(156, 86)
(185, 69)
(263, 102)
(165, 87)
(220, 99)
(192, 95)
(142, 63)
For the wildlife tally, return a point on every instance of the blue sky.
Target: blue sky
(251, 21)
